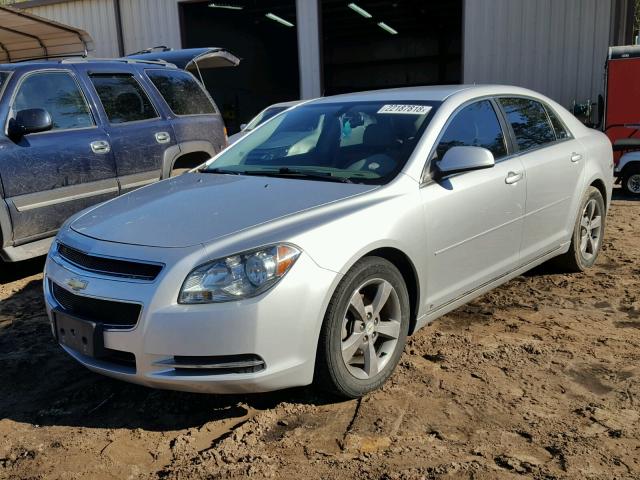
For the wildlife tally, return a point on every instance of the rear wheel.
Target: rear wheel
(364, 330)
(587, 234)
(631, 180)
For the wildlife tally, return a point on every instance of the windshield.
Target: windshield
(367, 142)
(263, 116)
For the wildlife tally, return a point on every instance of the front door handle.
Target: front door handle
(513, 177)
(162, 137)
(576, 157)
(100, 147)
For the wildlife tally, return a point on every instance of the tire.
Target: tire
(631, 180)
(372, 339)
(584, 249)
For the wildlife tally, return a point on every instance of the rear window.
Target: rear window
(182, 92)
(123, 98)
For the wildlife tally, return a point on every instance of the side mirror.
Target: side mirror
(463, 159)
(31, 120)
(243, 126)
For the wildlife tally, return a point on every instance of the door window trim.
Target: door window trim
(204, 90)
(545, 107)
(74, 77)
(132, 122)
(426, 178)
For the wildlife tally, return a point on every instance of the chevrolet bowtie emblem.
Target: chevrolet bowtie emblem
(76, 284)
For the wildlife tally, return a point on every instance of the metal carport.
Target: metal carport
(24, 36)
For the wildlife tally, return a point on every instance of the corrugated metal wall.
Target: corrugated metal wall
(557, 47)
(145, 23)
(148, 23)
(96, 17)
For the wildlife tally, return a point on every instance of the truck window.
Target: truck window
(57, 93)
(123, 98)
(182, 92)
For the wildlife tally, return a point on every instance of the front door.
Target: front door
(474, 219)
(49, 176)
(139, 133)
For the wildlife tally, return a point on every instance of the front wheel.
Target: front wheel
(364, 330)
(631, 180)
(587, 234)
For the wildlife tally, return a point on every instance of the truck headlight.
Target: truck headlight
(239, 276)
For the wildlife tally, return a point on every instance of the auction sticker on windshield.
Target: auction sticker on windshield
(406, 109)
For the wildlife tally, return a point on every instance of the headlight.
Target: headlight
(239, 276)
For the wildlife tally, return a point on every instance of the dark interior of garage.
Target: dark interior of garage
(268, 48)
(371, 44)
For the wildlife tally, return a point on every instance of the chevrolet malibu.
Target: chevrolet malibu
(308, 251)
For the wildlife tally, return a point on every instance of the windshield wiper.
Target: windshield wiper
(290, 172)
(221, 171)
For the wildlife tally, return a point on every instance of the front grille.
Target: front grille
(106, 312)
(109, 266)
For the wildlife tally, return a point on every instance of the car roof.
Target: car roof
(436, 93)
(35, 64)
(285, 104)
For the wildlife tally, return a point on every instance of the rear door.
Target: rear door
(553, 163)
(51, 175)
(140, 134)
(194, 115)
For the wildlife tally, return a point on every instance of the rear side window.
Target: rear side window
(3, 79)
(182, 92)
(123, 98)
(559, 128)
(476, 125)
(529, 122)
(57, 93)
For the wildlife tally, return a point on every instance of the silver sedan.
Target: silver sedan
(309, 250)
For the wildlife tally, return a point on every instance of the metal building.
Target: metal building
(306, 48)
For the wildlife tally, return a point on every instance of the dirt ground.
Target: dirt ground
(538, 379)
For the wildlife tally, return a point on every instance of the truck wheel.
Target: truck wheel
(364, 331)
(587, 234)
(631, 180)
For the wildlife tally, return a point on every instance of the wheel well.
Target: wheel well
(190, 160)
(599, 184)
(408, 271)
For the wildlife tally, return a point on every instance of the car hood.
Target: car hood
(197, 208)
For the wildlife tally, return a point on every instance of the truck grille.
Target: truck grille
(109, 266)
(107, 312)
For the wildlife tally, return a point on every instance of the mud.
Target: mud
(538, 379)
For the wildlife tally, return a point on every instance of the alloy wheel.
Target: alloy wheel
(590, 229)
(370, 328)
(633, 183)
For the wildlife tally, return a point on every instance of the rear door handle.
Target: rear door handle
(100, 147)
(162, 137)
(513, 177)
(576, 157)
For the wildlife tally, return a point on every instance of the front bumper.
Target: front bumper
(280, 327)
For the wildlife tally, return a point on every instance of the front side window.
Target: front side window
(182, 92)
(476, 125)
(122, 98)
(529, 122)
(366, 142)
(58, 94)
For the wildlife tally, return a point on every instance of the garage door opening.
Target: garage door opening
(373, 44)
(263, 33)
